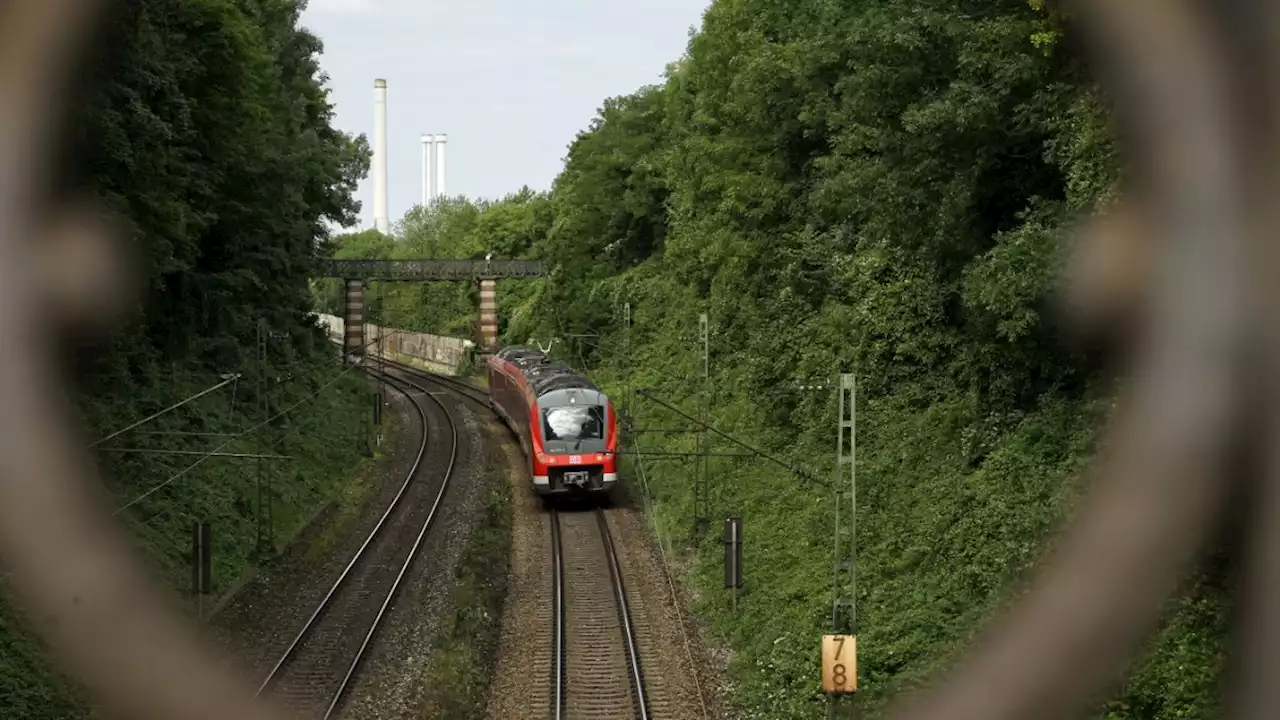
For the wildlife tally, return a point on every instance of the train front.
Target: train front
(575, 442)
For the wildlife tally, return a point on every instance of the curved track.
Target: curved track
(462, 387)
(318, 667)
(597, 665)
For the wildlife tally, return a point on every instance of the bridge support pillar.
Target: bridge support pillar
(353, 320)
(488, 315)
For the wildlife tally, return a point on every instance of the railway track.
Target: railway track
(462, 387)
(597, 645)
(597, 664)
(318, 667)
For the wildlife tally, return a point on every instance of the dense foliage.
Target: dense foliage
(842, 186)
(211, 132)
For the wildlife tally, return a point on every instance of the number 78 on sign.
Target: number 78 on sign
(839, 664)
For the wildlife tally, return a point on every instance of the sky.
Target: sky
(511, 82)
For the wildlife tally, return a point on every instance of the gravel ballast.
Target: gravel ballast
(521, 686)
(680, 680)
(469, 634)
(394, 681)
(259, 621)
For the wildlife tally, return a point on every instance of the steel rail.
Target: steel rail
(615, 570)
(339, 693)
(557, 562)
(355, 559)
(413, 552)
(463, 388)
(624, 611)
(624, 616)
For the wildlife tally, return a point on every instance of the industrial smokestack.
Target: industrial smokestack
(428, 146)
(440, 146)
(381, 219)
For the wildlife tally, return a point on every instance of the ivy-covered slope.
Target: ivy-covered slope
(875, 187)
(210, 132)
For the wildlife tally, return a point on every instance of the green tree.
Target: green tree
(880, 187)
(211, 131)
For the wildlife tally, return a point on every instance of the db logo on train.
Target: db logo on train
(575, 459)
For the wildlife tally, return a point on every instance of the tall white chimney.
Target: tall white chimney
(428, 146)
(381, 219)
(441, 140)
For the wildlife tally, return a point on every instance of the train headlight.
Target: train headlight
(543, 458)
(600, 457)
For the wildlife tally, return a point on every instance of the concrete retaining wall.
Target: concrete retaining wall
(437, 353)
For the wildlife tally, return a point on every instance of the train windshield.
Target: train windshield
(573, 422)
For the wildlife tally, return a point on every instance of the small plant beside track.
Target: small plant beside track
(455, 679)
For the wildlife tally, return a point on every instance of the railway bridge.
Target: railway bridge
(485, 272)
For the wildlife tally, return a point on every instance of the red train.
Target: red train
(567, 427)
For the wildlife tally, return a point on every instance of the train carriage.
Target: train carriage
(566, 426)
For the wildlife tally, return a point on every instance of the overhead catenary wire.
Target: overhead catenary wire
(173, 478)
(184, 433)
(233, 438)
(167, 508)
(234, 395)
(171, 408)
(664, 453)
(805, 474)
(153, 451)
(608, 353)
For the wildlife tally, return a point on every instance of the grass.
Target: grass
(456, 676)
(321, 438)
(31, 685)
(942, 540)
(350, 498)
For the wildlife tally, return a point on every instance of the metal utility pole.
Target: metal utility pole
(260, 540)
(843, 606)
(201, 564)
(840, 647)
(701, 509)
(629, 369)
(733, 557)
